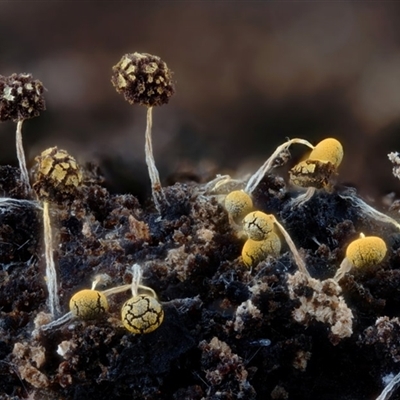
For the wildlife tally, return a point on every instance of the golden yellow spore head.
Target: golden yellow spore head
(143, 79)
(330, 150)
(258, 225)
(255, 251)
(57, 175)
(21, 97)
(88, 304)
(238, 204)
(142, 314)
(366, 251)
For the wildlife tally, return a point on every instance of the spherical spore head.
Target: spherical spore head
(142, 314)
(57, 175)
(366, 251)
(143, 79)
(255, 251)
(88, 304)
(330, 150)
(258, 225)
(238, 204)
(21, 97)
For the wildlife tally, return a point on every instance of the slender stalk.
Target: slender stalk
(21, 156)
(58, 322)
(51, 274)
(297, 258)
(135, 286)
(156, 188)
(390, 388)
(256, 178)
(303, 198)
(370, 211)
(344, 267)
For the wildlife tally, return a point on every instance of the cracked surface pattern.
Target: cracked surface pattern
(142, 314)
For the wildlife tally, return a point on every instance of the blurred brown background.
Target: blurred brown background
(248, 75)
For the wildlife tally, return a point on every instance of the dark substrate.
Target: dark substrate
(205, 348)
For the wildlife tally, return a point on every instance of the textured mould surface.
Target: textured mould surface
(228, 332)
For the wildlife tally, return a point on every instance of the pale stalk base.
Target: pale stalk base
(297, 258)
(344, 268)
(302, 199)
(156, 188)
(51, 274)
(21, 157)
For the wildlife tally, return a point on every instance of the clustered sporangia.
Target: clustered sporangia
(140, 314)
(134, 309)
(259, 228)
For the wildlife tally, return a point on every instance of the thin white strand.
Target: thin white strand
(51, 274)
(256, 178)
(58, 322)
(21, 156)
(156, 188)
(390, 388)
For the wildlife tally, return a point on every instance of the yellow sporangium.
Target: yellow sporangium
(142, 314)
(364, 252)
(258, 225)
(317, 170)
(88, 304)
(238, 204)
(330, 150)
(254, 251)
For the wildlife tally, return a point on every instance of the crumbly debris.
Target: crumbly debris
(225, 370)
(246, 310)
(394, 157)
(323, 304)
(279, 393)
(29, 359)
(301, 359)
(384, 336)
(66, 348)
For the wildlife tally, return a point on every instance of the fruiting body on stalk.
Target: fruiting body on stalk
(143, 79)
